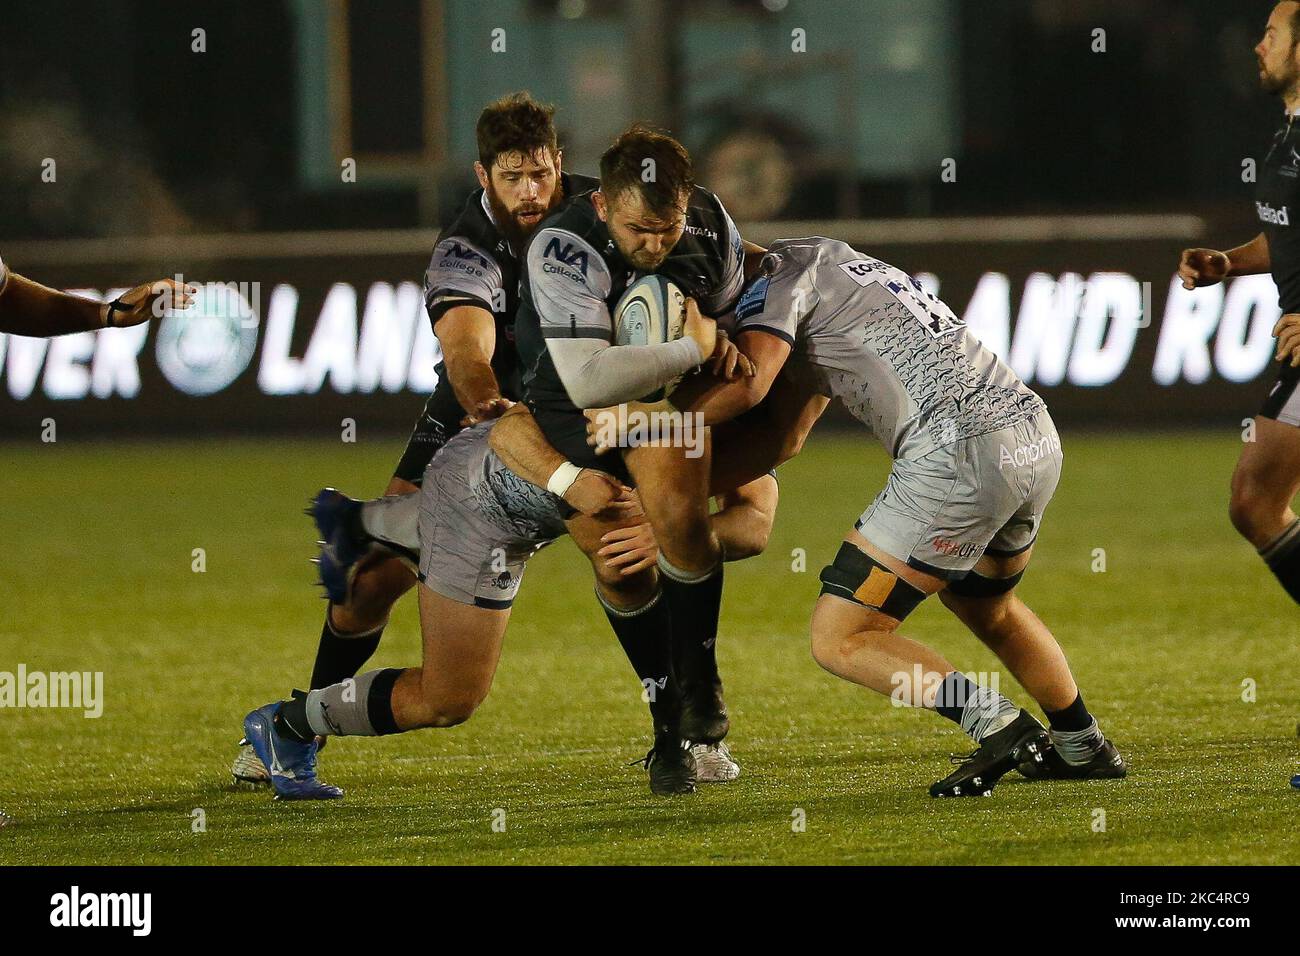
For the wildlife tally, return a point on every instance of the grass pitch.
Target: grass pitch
(1184, 647)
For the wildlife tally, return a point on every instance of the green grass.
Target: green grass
(96, 575)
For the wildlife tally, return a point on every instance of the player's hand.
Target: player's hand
(729, 362)
(1202, 267)
(600, 495)
(700, 328)
(1287, 331)
(486, 410)
(607, 427)
(148, 301)
(630, 549)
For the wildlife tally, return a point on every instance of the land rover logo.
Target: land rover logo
(205, 348)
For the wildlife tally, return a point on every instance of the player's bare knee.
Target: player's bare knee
(825, 646)
(442, 711)
(626, 591)
(1253, 510)
(451, 713)
(833, 647)
(752, 540)
(984, 616)
(375, 589)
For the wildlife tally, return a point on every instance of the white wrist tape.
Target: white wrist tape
(562, 478)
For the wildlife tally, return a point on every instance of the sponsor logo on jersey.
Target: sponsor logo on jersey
(458, 251)
(569, 255)
(754, 299)
(701, 231)
(1276, 217)
(1030, 453)
(503, 581)
(464, 259)
(956, 549)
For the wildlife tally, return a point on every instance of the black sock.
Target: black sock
(379, 701)
(1283, 558)
(1074, 717)
(646, 636)
(338, 658)
(290, 720)
(695, 607)
(953, 693)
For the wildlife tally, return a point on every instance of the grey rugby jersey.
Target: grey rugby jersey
(868, 334)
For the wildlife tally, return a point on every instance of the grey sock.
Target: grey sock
(1078, 746)
(986, 712)
(394, 519)
(342, 710)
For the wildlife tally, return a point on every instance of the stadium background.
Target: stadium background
(159, 538)
(235, 166)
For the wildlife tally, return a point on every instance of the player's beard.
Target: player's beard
(1275, 84)
(515, 229)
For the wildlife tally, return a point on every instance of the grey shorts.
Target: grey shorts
(480, 523)
(981, 495)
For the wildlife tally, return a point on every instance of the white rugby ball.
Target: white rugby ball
(651, 311)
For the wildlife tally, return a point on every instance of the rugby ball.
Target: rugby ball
(651, 311)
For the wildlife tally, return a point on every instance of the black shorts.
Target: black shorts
(1283, 402)
(436, 426)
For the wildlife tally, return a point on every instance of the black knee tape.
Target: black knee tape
(859, 578)
(379, 702)
(977, 586)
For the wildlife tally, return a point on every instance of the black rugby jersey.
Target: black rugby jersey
(473, 264)
(573, 279)
(1277, 203)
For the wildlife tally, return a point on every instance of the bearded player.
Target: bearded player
(1267, 476)
(471, 294)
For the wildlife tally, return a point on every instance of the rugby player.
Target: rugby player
(479, 525)
(1267, 476)
(29, 308)
(471, 294)
(976, 460)
(647, 217)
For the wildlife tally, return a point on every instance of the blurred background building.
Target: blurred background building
(1039, 163)
(154, 138)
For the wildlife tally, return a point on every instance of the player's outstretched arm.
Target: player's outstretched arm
(29, 308)
(1201, 267)
(467, 335)
(519, 442)
(710, 399)
(721, 398)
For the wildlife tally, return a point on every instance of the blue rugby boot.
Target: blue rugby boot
(343, 541)
(292, 764)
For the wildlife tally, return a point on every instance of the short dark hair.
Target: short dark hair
(650, 161)
(1295, 22)
(515, 123)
